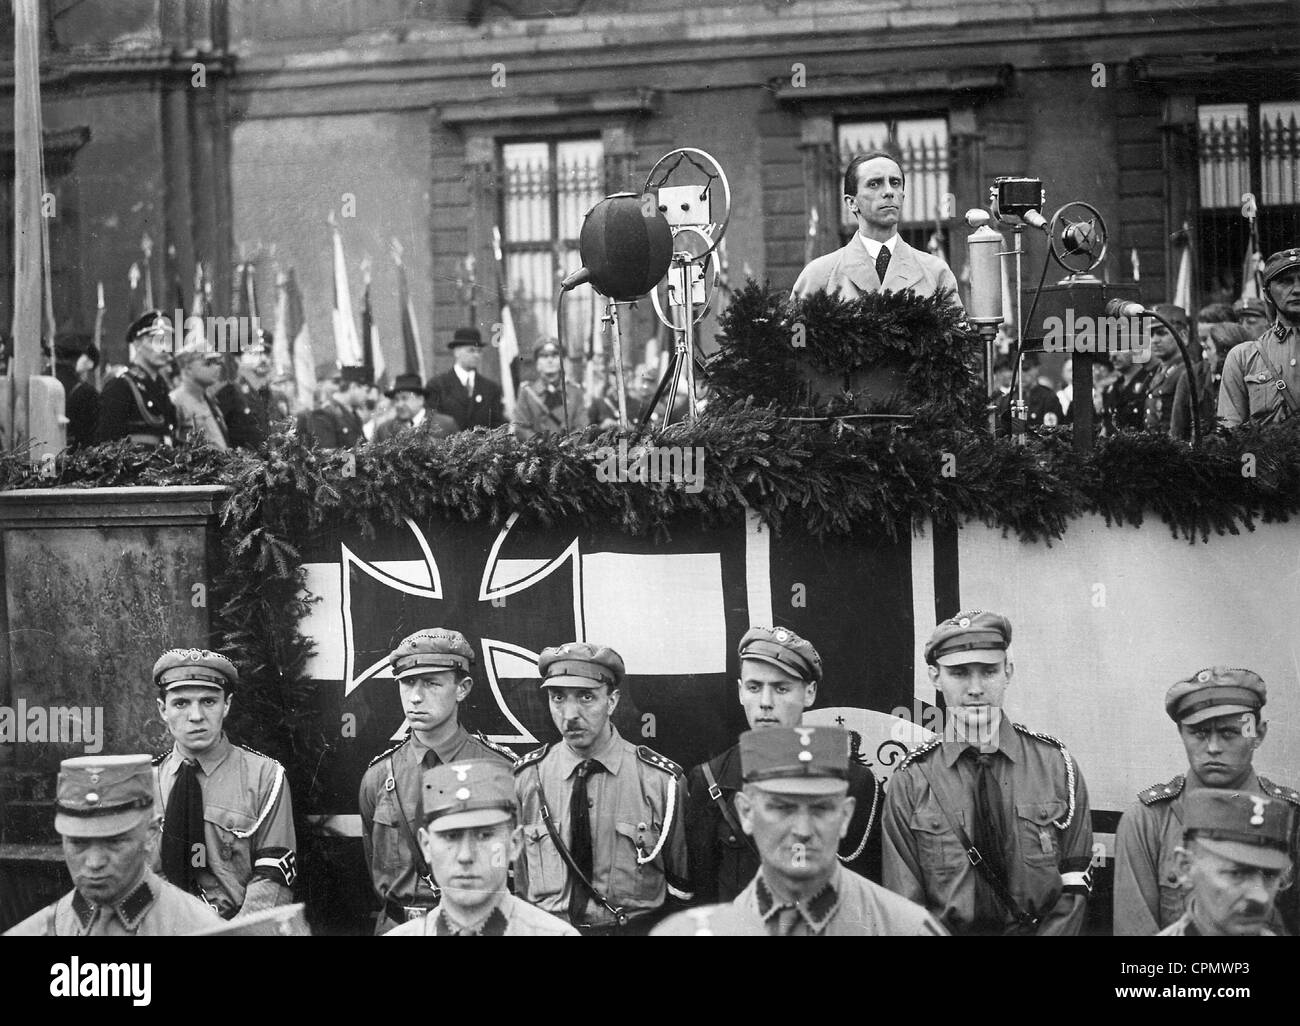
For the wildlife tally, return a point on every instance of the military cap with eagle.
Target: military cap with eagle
(796, 760)
(103, 795)
(463, 794)
(179, 667)
(1246, 828)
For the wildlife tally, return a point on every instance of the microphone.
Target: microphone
(579, 277)
(978, 218)
(1035, 220)
(1124, 308)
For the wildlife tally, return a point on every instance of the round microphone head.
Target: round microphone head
(978, 218)
(627, 246)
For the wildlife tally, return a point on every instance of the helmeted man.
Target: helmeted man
(1219, 713)
(540, 408)
(228, 833)
(106, 812)
(876, 259)
(604, 845)
(796, 807)
(136, 404)
(992, 787)
(1261, 379)
(780, 673)
(470, 836)
(1235, 856)
(432, 670)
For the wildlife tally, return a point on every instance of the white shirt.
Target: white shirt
(873, 247)
(466, 377)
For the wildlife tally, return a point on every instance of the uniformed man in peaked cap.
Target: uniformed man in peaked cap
(335, 424)
(779, 676)
(796, 806)
(228, 831)
(1261, 378)
(992, 787)
(136, 405)
(604, 844)
(1219, 712)
(107, 815)
(432, 670)
(1235, 857)
(247, 403)
(470, 837)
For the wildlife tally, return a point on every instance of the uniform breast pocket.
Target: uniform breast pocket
(228, 833)
(1261, 391)
(387, 839)
(937, 847)
(1173, 898)
(629, 879)
(1036, 833)
(546, 870)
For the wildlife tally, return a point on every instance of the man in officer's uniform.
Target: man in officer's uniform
(779, 676)
(1261, 378)
(796, 807)
(1162, 386)
(432, 670)
(228, 818)
(604, 844)
(470, 837)
(246, 404)
(1124, 400)
(335, 424)
(107, 815)
(136, 405)
(1235, 857)
(1219, 713)
(1014, 795)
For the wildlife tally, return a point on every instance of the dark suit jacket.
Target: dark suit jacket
(82, 409)
(436, 425)
(333, 427)
(447, 395)
(850, 273)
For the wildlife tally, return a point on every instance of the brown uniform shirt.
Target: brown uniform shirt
(153, 909)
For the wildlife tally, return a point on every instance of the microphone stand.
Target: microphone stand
(1019, 408)
(611, 318)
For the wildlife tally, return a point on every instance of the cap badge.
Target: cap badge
(805, 736)
(461, 770)
(964, 622)
(1257, 817)
(781, 635)
(1203, 676)
(94, 774)
(462, 795)
(194, 654)
(805, 756)
(93, 799)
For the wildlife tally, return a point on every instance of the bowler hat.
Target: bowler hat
(406, 383)
(466, 337)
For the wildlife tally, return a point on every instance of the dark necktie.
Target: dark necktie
(882, 263)
(183, 828)
(581, 843)
(469, 386)
(986, 835)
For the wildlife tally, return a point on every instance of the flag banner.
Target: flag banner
(508, 352)
(347, 346)
(372, 352)
(1097, 642)
(300, 347)
(411, 348)
(1183, 283)
(281, 342)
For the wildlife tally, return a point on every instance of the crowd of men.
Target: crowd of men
(983, 830)
(164, 397)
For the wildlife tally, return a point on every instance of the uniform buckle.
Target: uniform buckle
(974, 856)
(715, 792)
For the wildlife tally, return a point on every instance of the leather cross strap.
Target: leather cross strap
(421, 867)
(996, 884)
(579, 877)
(1288, 401)
(719, 799)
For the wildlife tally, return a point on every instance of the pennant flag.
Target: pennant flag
(299, 341)
(133, 308)
(372, 353)
(346, 344)
(1252, 268)
(1183, 288)
(508, 350)
(281, 343)
(146, 245)
(1137, 264)
(178, 296)
(202, 290)
(414, 352)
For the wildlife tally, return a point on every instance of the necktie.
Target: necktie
(469, 385)
(183, 828)
(882, 263)
(986, 835)
(581, 844)
(785, 923)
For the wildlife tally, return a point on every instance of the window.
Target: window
(549, 187)
(1244, 147)
(922, 148)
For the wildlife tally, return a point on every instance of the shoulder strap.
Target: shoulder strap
(421, 867)
(579, 877)
(871, 820)
(1069, 771)
(154, 420)
(724, 806)
(995, 882)
(1288, 401)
